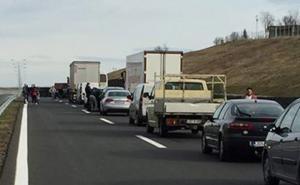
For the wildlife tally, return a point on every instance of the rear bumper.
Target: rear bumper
(244, 144)
(116, 108)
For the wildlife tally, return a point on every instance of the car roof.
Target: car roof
(239, 101)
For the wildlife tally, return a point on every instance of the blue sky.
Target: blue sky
(51, 34)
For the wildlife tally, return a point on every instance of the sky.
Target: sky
(44, 37)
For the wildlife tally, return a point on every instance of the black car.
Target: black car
(239, 126)
(281, 155)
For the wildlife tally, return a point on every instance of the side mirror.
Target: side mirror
(129, 97)
(146, 95)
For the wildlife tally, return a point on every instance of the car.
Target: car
(139, 99)
(94, 103)
(239, 125)
(115, 101)
(281, 155)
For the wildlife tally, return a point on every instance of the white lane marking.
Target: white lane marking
(67, 103)
(60, 101)
(21, 177)
(154, 143)
(107, 121)
(74, 106)
(85, 111)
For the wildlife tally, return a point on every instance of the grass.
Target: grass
(7, 123)
(270, 66)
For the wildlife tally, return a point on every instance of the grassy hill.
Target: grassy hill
(270, 66)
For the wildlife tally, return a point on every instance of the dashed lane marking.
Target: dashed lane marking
(85, 111)
(150, 141)
(107, 121)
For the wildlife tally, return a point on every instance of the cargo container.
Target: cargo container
(141, 67)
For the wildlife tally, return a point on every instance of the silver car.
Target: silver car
(115, 101)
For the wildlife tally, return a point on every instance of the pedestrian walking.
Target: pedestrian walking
(34, 94)
(250, 95)
(88, 92)
(25, 92)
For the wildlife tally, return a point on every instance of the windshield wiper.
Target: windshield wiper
(243, 113)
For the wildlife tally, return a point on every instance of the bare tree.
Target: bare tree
(267, 19)
(218, 41)
(234, 36)
(291, 19)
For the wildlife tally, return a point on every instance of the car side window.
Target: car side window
(218, 111)
(296, 122)
(287, 121)
(222, 114)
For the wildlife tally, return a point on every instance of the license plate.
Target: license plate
(193, 121)
(120, 102)
(257, 143)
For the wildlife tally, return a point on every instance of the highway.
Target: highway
(69, 146)
(3, 98)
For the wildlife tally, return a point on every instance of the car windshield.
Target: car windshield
(257, 110)
(186, 86)
(118, 94)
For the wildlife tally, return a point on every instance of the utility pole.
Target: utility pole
(256, 26)
(19, 67)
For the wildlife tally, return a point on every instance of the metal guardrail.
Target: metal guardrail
(6, 103)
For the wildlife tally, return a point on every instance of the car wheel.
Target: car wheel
(163, 130)
(139, 120)
(205, 149)
(268, 178)
(223, 152)
(131, 121)
(195, 131)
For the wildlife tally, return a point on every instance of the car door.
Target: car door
(216, 125)
(208, 127)
(281, 150)
(132, 105)
(291, 147)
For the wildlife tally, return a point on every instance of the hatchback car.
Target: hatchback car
(281, 155)
(239, 125)
(115, 101)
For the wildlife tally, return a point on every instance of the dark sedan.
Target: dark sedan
(239, 126)
(281, 156)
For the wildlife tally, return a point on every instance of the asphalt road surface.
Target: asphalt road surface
(68, 146)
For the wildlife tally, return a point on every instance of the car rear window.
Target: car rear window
(118, 94)
(257, 110)
(188, 86)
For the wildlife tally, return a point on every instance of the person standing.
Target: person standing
(34, 95)
(25, 93)
(88, 92)
(250, 95)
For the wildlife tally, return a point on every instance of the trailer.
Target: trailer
(141, 67)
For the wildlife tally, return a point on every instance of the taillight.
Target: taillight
(241, 126)
(171, 121)
(108, 100)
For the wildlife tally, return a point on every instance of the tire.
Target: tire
(131, 121)
(139, 120)
(268, 178)
(163, 130)
(149, 129)
(223, 151)
(205, 149)
(195, 131)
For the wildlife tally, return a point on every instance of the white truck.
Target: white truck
(83, 72)
(141, 67)
(184, 102)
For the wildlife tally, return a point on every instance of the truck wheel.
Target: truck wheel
(195, 131)
(149, 129)
(205, 149)
(163, 130)
(223, 151)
